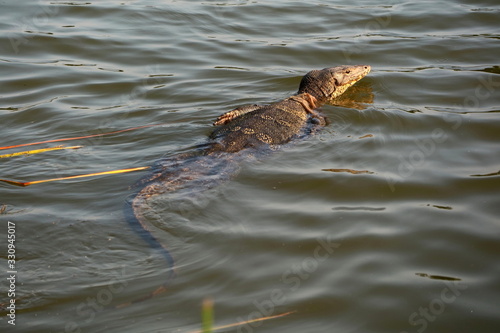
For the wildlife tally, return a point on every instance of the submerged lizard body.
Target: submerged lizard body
(246, 129)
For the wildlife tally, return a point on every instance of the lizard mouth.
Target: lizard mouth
(363, 71)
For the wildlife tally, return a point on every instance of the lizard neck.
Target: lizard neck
(306, 100)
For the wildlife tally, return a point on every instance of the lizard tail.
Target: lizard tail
(141, 229)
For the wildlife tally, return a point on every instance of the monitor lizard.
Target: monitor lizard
(244, 131)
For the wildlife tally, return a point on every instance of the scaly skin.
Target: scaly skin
(245, 129)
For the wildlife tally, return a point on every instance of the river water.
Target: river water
(409, 244)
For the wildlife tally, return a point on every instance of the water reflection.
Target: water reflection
(357, 97)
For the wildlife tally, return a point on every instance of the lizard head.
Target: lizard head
(329, 83)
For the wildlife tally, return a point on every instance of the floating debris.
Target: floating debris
(354, 172)
(438, 277)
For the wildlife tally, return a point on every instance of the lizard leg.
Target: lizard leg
(230, 115)
(318, 119)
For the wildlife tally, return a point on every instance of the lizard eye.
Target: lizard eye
(347, 71)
